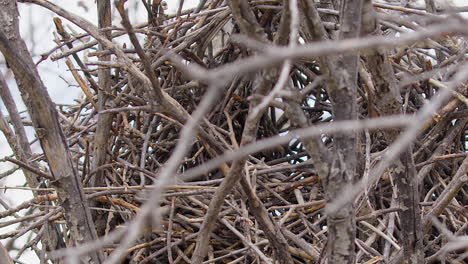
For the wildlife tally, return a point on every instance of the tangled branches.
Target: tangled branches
(256, 131)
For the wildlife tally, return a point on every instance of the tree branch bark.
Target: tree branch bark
(45, 121)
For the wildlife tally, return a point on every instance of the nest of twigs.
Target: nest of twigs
(120, 171)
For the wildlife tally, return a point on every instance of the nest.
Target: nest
(120, 172)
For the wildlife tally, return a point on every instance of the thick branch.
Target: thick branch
(46, 124)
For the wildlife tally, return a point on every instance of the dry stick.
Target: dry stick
(454, 243)
(148, 210)
(104, 122)
(282, 80)
(165, 99)
(21, 219)
(4, 257)
(81, 83)
(162, 250)
(376, 213)
(179, 9)
(73, 253)
(342, 89)
(380, 233)
(66, 37)
(441, 148)
(274, 55)
(149, 70)
(19, 232)
(388, 100)
(248, 24)
(246, 241)
(235, 252)
(391, 225)
(27, 204)
(199, 6)
(321, 48)
(168, 103)
(302, 243)
(312, 131)
(30, 168)
(456, 94)
(8, 133)
(39, 222)
(45, 120)
(287, 64)
(403, 140)
(32, 243)
(144, 149)
(169, 231)
(440, 158)
(457, 182)
(22, 150)
(406, 10)
(141, 53)
(10, 171)
(320, 154)
(85, 46)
